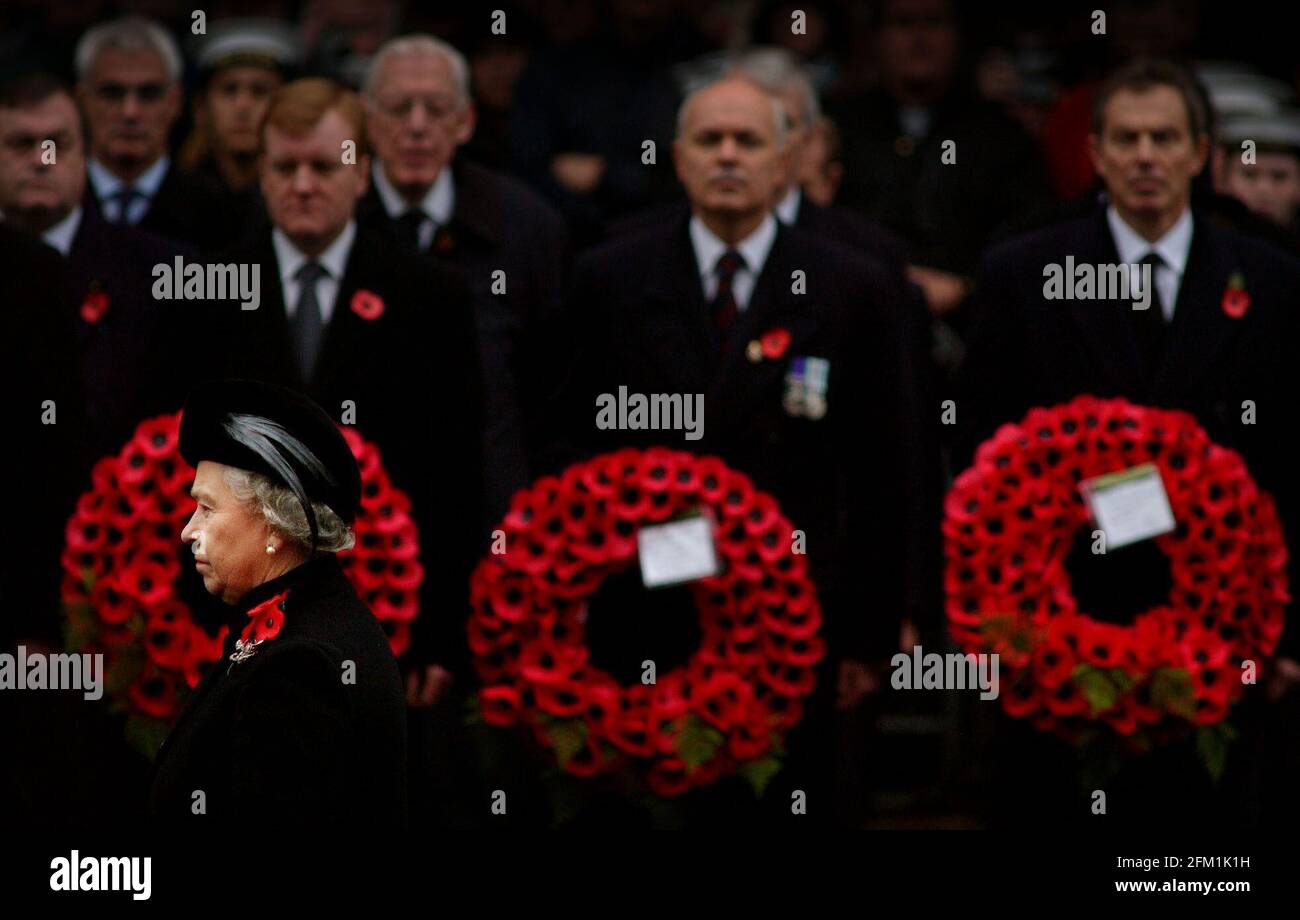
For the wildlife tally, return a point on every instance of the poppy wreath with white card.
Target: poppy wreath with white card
(1009, 524)
(121, 563)
(728, 709)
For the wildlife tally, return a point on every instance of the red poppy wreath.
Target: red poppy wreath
(1010, 521)
(728, 709)
(121, 566)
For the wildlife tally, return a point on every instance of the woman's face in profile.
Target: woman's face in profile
(228, 537)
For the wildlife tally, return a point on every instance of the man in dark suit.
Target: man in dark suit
(679, 307)
(506, 243)
(382, 339)
(1189, 350)
(109, 267)
(128, 84)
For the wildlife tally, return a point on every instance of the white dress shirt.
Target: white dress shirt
(61, 235)
(438, 204)
(107, 185)
(1173, 248)
(334, 260)
(787, 209)
(753, 248)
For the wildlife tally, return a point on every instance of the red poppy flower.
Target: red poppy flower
(158, 437)
(266, 619)
(95, 305)
(203, 649)
(774, 343)
(1235, 302)
(500, 704)
(154, 692)
(148, 582)
(668, 777)
(367, 305)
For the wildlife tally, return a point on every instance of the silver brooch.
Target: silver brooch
(244, 649)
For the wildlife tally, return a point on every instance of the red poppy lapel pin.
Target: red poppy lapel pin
(264, 623)
(95, 305)
(444, 241)
(1236, 299)
(367, 305)
(771, 345)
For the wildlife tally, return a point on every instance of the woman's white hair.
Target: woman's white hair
(130, 33)
(280, 507)
(415, 45)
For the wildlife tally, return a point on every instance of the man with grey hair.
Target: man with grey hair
(792, 343)
(128, 85)
(781, 75)
(505, 241)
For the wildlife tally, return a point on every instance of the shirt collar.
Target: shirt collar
(438, 203)
(334, 259)
(1173, 247)
(106, 183)
(787, 210)
(754, 248)
(60, 236)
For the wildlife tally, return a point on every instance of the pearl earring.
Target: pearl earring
(270, 550)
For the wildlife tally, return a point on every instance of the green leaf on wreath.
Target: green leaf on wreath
(88, 579)
(80, 626)
(698, 743)
(568, 736)
(146, 734)
(1096, 686)
(758, 773)
(1009, 628)
(124, 670)
(1212, 743)
(473, 710)
(1172, 691)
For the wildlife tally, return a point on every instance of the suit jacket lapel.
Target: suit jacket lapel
(1106, 325)
(772, 305)
(677, 320)
(346, 330)
(1200, 330)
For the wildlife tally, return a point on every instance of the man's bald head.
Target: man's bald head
(730, 153)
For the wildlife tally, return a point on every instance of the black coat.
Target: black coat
(188, 208)
(501, 224)
(1028, 351)
(294, 733)
(43, 463)
(121, 353)
(414, 376)
(946, 212)
(639, 319)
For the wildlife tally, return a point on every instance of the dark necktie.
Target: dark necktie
(1150, 323)
(723, 307)
(125, 197)
(408, 227)
(308, 326)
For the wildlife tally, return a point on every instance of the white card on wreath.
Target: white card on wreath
(677, 551)
(1130, 505)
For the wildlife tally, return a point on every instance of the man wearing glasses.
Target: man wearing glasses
(128, 85)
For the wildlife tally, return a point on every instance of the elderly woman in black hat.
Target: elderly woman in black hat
(305, 716)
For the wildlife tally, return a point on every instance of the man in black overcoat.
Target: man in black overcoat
(682, 307)
(1192, 349)
(508, 245)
